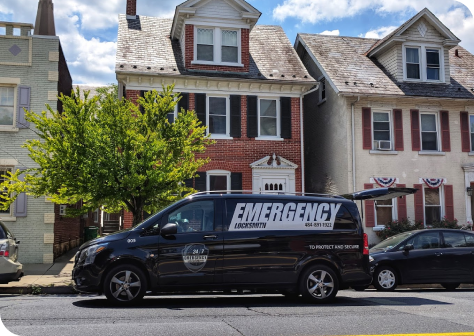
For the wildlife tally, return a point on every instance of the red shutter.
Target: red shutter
(419, 211)
(402, 205)
(466, 143)
(367, 128)
(398, 123)
(369, 209)
(449, 202)
(415, 130)
(445, 137)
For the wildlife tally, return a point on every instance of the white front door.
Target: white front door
(274, 184)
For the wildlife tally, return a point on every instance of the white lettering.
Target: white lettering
(334, 209)
(265, 211)
(251, 212)
(310, 212)
(287, 214)
(275, 214)
(322, 214)
(299, 211)
(239, 209)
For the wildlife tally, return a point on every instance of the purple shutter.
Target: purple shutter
(21, 200)
(23, 103)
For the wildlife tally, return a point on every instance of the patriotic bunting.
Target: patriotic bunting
(434, 183)
(385, 182)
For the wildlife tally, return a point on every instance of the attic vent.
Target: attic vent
(422, 29)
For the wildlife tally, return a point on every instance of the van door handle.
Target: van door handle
(210, 237)
(438, 254)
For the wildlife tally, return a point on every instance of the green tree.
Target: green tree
(106, 152)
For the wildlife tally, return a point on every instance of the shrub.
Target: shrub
(445, 223)
(398, 226)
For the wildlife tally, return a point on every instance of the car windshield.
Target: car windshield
(3, 231)
(392, 241)
(146, 222)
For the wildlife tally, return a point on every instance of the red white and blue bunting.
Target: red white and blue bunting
(434, 183)
(385, 182)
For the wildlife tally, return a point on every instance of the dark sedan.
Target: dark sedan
(440, 256)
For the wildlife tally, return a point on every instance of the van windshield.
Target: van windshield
(392, 241)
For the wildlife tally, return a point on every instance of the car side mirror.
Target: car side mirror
(408, 247)
(169, 229)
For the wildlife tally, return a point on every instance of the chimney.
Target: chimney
(45, 19)
(131, 9)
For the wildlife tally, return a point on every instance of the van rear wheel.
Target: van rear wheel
(125, 285)
(319, 284)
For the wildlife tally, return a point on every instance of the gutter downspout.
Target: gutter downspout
(353, 144)
(302, 136)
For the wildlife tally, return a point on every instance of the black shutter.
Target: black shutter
(236, 181)
(200, 182)
(201, 107)
(252, 117)
(235, 116)
(142, 94)
(285, 111)
(184, 102)
(188, 183)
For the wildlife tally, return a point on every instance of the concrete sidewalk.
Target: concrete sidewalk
(53, 278)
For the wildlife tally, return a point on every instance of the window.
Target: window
(423, 63)
(425, 241)
(429, 132)
(172, 115)
(454, 239)
(218, 118)
(205, 45)
(62, 210)
(96, 216)
(218, 180)
(382, 130)
(385, 212)
(194, 217)
(432, 205)
(3, 172)
(469, 240)
(268, 118)
(7, 98)
(471, 120)
(217, 46)
(322, 89)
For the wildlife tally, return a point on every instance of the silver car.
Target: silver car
(10, 268)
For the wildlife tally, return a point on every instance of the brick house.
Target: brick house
(397, 111)
(33, 71)
(245, 82)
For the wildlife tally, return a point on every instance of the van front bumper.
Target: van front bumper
(86, 280)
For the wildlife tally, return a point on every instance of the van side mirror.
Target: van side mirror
(408, 247)
(169, 229)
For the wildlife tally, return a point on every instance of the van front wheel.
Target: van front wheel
(125, 285)
(319, 284)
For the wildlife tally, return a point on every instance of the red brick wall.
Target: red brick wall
(133, 95)
(189, 53)
(65, 228)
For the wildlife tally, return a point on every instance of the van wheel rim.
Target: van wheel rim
(125, 286)
(320, 284)
(386, 279)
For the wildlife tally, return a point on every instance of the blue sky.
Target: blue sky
(88, 28)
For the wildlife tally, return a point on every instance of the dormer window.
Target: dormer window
(217, 46)
(423, 63)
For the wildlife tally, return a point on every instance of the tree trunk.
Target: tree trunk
(137, 215)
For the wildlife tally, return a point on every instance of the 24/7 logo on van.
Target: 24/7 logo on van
(289, 216)
(195, 257)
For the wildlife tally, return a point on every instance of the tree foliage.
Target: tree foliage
(105, 152)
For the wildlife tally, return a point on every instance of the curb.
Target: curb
(44, 290)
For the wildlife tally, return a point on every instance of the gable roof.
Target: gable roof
(396, 34)
(144, 46)
(346, 67)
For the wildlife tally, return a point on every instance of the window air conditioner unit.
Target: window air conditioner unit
(383, 145)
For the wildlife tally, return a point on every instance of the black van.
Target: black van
(211, 241)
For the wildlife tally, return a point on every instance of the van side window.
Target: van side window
(194, 217)
(344, 220)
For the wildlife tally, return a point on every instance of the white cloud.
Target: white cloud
(379, 32)
(331, 32)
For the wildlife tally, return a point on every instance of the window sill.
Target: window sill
(322, 101)
(9, 129)
(221, 137)
(379, 152)
(269, 138)
(378, 228)
(428, 81)
(237, 65)
(8, 219)
(471, 153)
(434, 153)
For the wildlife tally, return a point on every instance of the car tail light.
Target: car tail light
(4, 252)
(366, 244)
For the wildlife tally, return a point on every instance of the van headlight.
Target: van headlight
(371, 259)
(91, 252)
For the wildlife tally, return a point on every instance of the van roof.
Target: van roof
(286, 196)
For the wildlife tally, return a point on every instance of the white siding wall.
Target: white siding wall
(218, 9)
(431, 35)
(389, 60)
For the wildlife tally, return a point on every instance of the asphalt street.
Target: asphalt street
(354, 313)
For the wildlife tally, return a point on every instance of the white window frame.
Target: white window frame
(7, 216)
(470, 133)
(423, 62)
(175, 113)
(278, 116)
(218, 47)
(394, 212)
(219, 136)
(15, 107)
(438, 133)
(390, 120)
(217, 172)
(95, 216)
(441, 202)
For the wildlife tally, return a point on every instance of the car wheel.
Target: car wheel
(385, 279)
(319, 284)
(125, 284)
(450, 286)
